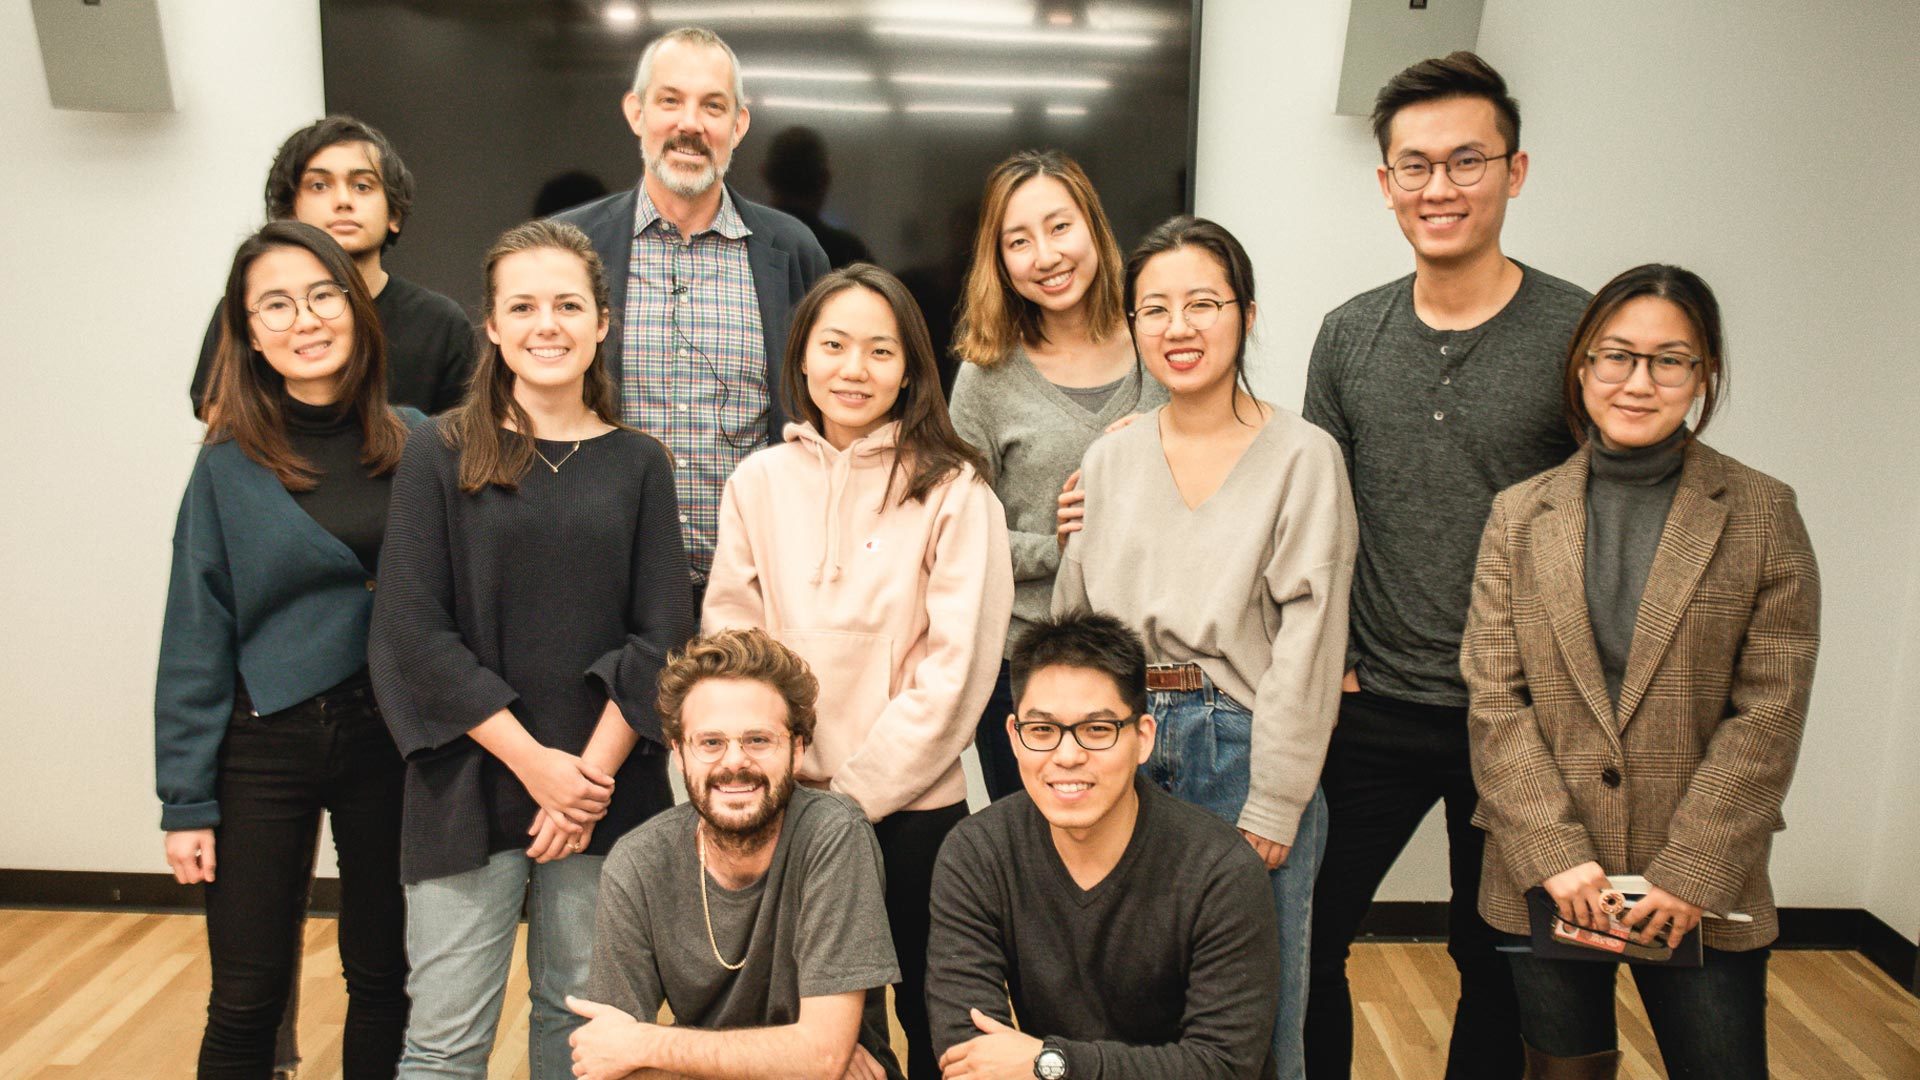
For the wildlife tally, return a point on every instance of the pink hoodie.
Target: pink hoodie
(901, 610)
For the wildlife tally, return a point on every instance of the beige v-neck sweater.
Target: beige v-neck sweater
(1251, 585)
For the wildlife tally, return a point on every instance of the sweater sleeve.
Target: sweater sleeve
(1308, 578)
(660, 615)
(432, 688)
(966, 946)
(1732, 803)
(1233, 990)
(1524, 802)
(1070, 579)
(733, 585)
(969, 595)
(199, 655)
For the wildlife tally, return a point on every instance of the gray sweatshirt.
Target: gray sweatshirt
(1034, 436)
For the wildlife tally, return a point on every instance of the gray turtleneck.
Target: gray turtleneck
(1628, 495)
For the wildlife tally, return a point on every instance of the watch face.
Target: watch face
(1050, 1065)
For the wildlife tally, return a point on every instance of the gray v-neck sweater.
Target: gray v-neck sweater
(1251, 585)
(1034, 435)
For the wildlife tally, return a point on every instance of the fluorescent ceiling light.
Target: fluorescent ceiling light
(752, 74)
(1000, 82)
(1060, 39)
(620, 14)
(959, 108)
(824, 105)
(695, 12)
(1066, 110)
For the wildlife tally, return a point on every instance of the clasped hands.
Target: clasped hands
(1576, 894)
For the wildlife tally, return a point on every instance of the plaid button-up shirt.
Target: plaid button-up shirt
(695, 362)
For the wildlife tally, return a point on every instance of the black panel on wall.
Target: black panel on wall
(913, 100)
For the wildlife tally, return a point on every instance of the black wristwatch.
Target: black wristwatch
(1050, 1063)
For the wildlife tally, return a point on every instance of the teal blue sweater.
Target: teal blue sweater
(260, 591)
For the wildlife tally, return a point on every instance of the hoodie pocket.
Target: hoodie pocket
(855, 671)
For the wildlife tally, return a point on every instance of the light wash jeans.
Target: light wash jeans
(1201, 755)
(460, 931)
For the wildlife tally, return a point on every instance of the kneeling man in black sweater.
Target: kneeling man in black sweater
(1134, 933)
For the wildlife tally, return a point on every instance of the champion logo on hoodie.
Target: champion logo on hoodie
(871, 543)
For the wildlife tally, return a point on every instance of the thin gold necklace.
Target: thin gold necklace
(700, 840)
(555, 466)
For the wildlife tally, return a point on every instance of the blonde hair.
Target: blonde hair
(993, 317)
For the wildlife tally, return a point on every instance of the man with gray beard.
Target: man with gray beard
(704, 281)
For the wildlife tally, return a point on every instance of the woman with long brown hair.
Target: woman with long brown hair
(869, 543)
(1048, 368)
(536, 583)
(264, 715)
(1640, 652)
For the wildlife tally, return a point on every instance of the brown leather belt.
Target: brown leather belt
(1175, 677)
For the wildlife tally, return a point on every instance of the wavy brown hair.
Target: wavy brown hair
(246, 397)
(929, 450)
(1683, 289)
(993, 317)
(492, 432)
(749, 653)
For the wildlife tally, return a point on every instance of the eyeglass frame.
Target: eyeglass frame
(1134, 315)
(1593, 365)
(1445, 166)
(305, 300)
(775, 744)
(1020, 732)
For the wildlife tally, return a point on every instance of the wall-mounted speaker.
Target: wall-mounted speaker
(1385, 36)
(104, 55)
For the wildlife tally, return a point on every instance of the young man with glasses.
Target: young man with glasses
(704, 281)
(1134, 932)
(1442, 388)
(754, 910)
(342, 176)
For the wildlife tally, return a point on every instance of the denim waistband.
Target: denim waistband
(353, 694)
(1208, 693)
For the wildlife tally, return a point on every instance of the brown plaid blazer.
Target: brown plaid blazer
(1683, 780)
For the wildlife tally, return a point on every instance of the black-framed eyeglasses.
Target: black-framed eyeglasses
(278, 311)
(1463, 167)
(1043, 735)
(758, 745)
(1666, 369)
(1153, 319)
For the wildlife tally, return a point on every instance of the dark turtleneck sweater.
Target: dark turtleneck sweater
(1628, 495)
(348, 502)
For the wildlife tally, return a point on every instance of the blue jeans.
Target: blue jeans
(1710, 1021)
(1201, 755)
(460, 931)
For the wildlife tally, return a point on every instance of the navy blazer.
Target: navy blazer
(785, 258)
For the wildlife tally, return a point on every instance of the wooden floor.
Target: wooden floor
(112, 996)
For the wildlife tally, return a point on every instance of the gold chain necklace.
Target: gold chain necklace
(700, 840)
(555, 466)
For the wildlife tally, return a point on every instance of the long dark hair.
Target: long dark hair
(1682, 288)
(1185, 230)
(489, 453)
(246, 398)
(993, 317)
(928, 450)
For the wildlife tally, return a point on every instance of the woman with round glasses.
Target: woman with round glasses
(1639, 652)
(263, 714)
(1048, 368)
(1222, 529)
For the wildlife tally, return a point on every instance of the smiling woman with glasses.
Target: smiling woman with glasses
(264, 716)
(1640, 651)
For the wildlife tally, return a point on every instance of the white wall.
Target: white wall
(1762, 144)
(118, 234)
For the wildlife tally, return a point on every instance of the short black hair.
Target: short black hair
(1093, 641)
(290, 162)
(1455, 75)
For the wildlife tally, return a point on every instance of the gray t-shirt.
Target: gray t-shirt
(1434, 424)
(815, 925)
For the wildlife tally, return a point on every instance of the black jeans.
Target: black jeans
(1710, 1021)
(277, 773)
(998, 767)
(909, 842)
(1388, 763)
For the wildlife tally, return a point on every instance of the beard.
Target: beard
(762, 822)
(678, 181)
